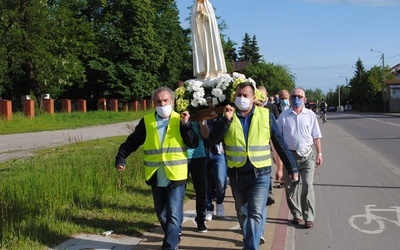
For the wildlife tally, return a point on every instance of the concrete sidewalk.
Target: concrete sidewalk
(224, 233)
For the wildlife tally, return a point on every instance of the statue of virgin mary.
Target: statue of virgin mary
(208, 55)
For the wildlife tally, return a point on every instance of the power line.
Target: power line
(340, 65)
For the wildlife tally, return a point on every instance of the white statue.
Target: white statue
(208, 55)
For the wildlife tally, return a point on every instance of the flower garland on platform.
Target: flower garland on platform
(219, 91)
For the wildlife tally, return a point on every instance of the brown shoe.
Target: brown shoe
(309, 224)
(296, 221)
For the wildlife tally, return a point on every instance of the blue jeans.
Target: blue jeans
(168, 204)
(250, 192)
(216, 179)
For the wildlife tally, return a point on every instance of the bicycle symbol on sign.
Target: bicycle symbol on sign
(374, 223)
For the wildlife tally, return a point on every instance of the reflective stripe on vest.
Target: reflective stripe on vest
(257, 149)
(173, 152)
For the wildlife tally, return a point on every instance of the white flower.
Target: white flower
(194, 103)
(194, 85)
(218, 89)
(218, 94)
(210, 82)
(252, 82)
(238, 76)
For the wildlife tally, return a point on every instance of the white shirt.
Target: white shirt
(299, 131)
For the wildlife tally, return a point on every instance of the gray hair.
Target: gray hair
(162, 89)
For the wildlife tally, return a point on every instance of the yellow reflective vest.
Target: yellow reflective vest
(257, 148)
(172, 153)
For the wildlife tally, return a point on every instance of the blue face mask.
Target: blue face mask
(285, 102)
(297, 102)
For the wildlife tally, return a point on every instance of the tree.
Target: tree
(44, 44)
(314, 95)
(358, 83)
(249, 51)
(255, 51)
(245, 50)
(230, 53)
(177, 64)
(273, 77)
(130, 52)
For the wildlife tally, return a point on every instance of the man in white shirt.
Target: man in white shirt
(301, 131)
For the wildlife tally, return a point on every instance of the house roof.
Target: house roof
(240, 65)
(395, 68)
(394, 81)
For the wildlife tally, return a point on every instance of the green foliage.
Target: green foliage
(72, 189)
(273, 77)
(249, 51)
(314, 95)
(44, 44)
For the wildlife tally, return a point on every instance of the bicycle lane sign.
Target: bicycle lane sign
(371, 223)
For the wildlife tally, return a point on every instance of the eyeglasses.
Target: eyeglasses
(296, 96)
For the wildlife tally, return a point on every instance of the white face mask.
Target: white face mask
(242, 103)
(164, 111)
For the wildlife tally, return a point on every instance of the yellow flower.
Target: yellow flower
(180, 92)
(233, 94)
(181, 104)
(237, 82)
(260, 96)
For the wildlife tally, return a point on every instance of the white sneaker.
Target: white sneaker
(220, 210)
(209, 215)
(262, 240)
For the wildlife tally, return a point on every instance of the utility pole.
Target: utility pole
(339, 89)
(383, 78)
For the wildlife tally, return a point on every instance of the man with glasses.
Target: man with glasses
(300, 130)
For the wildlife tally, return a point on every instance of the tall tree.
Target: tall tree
(245, 51)
(41, 50)
(249, 51)
(255, 56)
(130, 53)
(358, 84)
(177, 64)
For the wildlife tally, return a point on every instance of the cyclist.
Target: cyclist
(323, 108)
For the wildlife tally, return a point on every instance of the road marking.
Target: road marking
(389, 123)
(371, 223)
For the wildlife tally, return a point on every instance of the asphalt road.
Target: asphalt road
(358, 186)
(24, 145)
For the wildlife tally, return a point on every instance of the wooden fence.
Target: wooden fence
(69, 106)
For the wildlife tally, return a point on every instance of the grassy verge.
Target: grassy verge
(44, 122)
(72, 189)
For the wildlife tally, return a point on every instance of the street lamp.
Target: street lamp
(383, 77)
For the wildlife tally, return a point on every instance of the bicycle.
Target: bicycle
(369, 218)
(324, 117)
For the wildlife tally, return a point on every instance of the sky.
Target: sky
(319, 41)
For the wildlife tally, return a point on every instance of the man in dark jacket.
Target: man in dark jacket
(165, 136)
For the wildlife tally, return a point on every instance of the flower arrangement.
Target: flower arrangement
(197, 94)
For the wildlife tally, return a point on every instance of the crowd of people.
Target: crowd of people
(240, 146)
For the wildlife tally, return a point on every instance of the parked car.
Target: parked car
(332, 109)
(348, 107)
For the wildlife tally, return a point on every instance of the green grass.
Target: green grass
(45, 122)
(60, 192)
